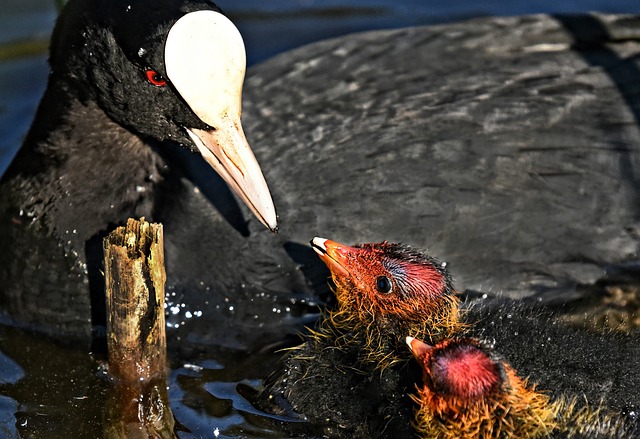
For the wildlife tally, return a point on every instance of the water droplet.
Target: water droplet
(193, 367)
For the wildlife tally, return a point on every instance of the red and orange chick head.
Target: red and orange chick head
(471, 392)
(389, 290)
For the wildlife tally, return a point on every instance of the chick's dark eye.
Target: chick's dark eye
(383, 284)
(155, 78)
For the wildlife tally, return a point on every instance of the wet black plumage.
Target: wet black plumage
(107, 144)
(601, 366)
(507, 144)
(335, 365)
(470, 391)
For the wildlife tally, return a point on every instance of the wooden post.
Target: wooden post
(136, 340)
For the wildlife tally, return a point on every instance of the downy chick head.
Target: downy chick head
(469, 391)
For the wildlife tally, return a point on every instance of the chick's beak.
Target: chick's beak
(419, 349)
(333, 254)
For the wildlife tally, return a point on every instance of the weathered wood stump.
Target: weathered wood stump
(136, 340)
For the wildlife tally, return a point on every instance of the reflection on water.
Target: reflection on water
(60, 387)
(50, 391)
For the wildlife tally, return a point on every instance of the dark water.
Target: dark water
(51, 391)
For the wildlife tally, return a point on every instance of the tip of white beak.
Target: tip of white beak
(271, 224)
(318, 244)
(409, 340)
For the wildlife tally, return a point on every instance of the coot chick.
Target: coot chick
(351, 377)
(469, 391)
(602, 366)
(383, 289)
(357, 348)
(133, 87)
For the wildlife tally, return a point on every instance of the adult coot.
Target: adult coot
(133, 87)
(509, 146)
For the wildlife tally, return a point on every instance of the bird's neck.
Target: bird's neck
(379, 341)
(79, 171)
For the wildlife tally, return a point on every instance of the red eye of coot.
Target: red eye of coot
(155, 78)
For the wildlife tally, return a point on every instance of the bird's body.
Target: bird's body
(469, 391)
(355, 353)
(600, 366)
(507, 145)
(111, 141)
